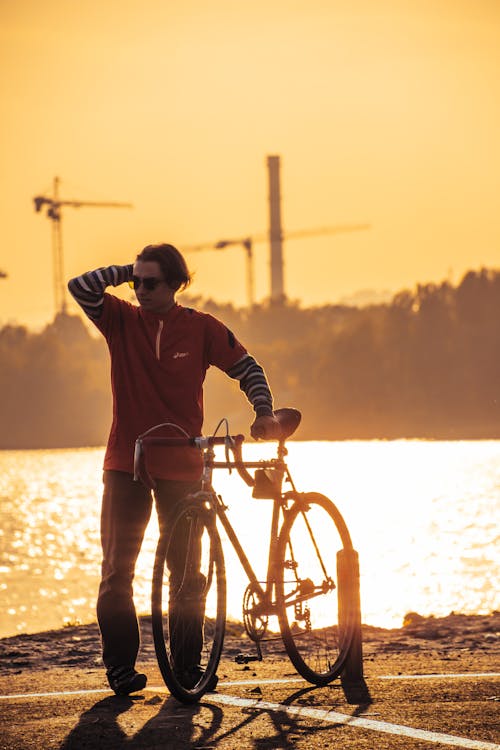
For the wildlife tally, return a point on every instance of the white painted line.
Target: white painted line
(257, 681)
(436, 676)
(150, 688)
(331, 717)
(334, 717)
(54, 695)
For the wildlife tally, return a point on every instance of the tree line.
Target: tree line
(425, 365)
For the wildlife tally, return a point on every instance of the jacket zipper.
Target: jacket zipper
(158, 339)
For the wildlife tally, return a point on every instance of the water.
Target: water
(423, 517)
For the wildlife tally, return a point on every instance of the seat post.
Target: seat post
(282, 450)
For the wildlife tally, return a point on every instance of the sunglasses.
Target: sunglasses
(149, 282)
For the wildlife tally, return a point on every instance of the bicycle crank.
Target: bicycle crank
(254, 619)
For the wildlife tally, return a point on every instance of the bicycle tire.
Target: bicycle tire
(316, 614)
(203, 591)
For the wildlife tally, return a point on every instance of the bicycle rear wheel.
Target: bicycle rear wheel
(315, 611)
(188, 602)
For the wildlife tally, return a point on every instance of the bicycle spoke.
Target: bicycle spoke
(188, 603)
(316, 640)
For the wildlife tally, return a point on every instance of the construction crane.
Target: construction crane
(275, 236)
(248, 242)
(54, 205)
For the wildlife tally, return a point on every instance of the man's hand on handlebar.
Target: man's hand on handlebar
(266, 428)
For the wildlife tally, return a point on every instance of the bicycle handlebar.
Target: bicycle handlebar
(288, 419)
(232, 442)
(201, 442)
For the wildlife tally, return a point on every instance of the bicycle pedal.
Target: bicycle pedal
(245, 658)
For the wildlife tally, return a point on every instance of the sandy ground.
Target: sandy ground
(54, 694)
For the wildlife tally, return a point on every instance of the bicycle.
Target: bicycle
(307, 585)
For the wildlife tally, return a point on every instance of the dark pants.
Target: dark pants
(126, 510)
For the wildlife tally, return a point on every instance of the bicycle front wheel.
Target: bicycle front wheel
(316, 619)
(189, 602)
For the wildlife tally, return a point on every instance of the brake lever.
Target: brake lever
(228, 445)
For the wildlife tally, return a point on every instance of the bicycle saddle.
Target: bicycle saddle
(289, 420)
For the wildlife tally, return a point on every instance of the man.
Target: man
(160, 352)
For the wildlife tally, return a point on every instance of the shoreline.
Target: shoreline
(408, 621)
(79, 645)
(435, 437)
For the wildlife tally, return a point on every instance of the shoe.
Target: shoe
(190, 677)
(125, 680)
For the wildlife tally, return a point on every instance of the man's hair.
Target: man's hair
(172, 264)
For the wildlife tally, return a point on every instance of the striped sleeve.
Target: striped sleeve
(88, 289)
(253, 383)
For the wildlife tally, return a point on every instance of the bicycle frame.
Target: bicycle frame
(310, 552)
(279, 499)
(276, 471)
(208, 494)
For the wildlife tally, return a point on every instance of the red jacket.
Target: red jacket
(158, 365)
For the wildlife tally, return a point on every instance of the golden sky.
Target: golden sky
(383, 111)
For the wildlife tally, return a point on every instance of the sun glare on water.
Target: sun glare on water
(421, 516)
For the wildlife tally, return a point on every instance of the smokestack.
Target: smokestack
(275, 231)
